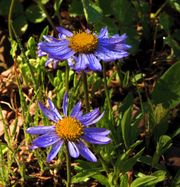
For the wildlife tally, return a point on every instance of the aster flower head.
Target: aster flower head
(84, 49)
(73, 130)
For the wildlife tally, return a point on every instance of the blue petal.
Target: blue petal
(109, 55)
(113, 40)
(54, 109)
(103, 33)
(76, 109)
(94, 63)
(95, 139)
(40, 129)
(48, 113)
(58, 50)
(79, 114)
(65, 104)
(46, 140)
(98, 131)
(64, 31)
(91, 115)
(93, 121)
(85, 152)
(81, 62)
(54, 151)
(73, 150)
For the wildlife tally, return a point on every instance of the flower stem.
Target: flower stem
(67, 77)
(106, 89)
(68, 166)
(10, 19)
(86, 91)
(108, 98)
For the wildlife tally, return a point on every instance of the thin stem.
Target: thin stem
(25, 57)
(47, 15)
(10, 19)
(106, 91)
(68, 166)
(67, 77)
(86, 91)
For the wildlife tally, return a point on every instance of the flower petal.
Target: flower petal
(64, 31)
(54, 109)
(40, 129)
(96, 139)
(73, 150)
(65, 104)
(85, 152)
(94, 63)
(76, 109)
(97, 131)
(46, 140)
(54, 151)
(81, 62)
(108, 55)
(103, 33)
(91, 115)
(48, 113)
(93, 121)
(58, 50)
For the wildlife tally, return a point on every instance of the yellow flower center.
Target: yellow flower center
(69, 129)
(83, 42)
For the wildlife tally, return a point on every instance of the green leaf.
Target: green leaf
(57, 5)
(165, 21)
(143, 181)
(124, 181)
(162, 146)
(76, 8)
(176, 180)
(167, 89)
(85, 174)
(20, 24)
(34, 14)
(92, 12)
(151, 180)
(101, 179)
(129, 127)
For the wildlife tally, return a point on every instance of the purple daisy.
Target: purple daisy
(73, 130)
(83, 50)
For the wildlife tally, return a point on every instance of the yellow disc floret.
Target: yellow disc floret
(69, 129)
(83, 42)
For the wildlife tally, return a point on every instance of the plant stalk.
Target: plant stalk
(68, 166)
(84, 76)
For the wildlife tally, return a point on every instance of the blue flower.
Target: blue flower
(73, 130)
(83, 50)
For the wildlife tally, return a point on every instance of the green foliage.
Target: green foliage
(140, 137)
(167, 90)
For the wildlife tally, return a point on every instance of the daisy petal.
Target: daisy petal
(64, 31)
(45, 140)
(95, 139)
(94, 63)
(76, 109)
(73, 150)
(54, 151)
(81, 62)
(103, 33)
(85, 152)
(93, 121)
(65, 104)
(40, 129)
(54, 109)
(89, 116)
(97, 131)
(48, 113)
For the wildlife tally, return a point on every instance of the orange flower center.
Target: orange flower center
(83, 42)
(69, 129)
